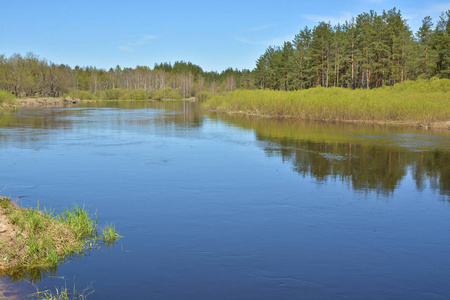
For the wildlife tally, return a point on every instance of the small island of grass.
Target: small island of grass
(31, 238)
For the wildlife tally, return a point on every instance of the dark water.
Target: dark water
(219, 207)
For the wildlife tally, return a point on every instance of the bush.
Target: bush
(83, 95)
(166, 93)
(202, 96)
(6, 97)
(114, 94)
(139, 94)
(100, 95)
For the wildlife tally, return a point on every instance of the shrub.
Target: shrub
(100, 95)
(6, 97)
(166, 93)
(114, 94)
(202, 96)
(83, 95)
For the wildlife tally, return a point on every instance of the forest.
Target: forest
(369, 51)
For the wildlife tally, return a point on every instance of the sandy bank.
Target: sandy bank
(30, 102)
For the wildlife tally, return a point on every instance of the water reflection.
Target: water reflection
(44, 121)
(369, 158)
(205, 210)
(34, 274)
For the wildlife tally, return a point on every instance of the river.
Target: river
(230, 207)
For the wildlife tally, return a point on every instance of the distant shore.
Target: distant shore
(46, 101)
(423, 103)
(429, 125)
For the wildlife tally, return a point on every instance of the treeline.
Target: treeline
(369, 51)
(31, 76)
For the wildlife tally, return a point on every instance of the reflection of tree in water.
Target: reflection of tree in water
(180, 112)
(30, 274)
(434, 166)
(371, 168)
(161, 113)
(321, 151)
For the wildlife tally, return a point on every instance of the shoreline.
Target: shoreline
(58, 102)
(444, 125)
(32, 238)
(46, 101)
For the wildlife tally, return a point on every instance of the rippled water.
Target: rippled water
(221, 207)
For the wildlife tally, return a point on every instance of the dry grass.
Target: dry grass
(41, 239)
(421, 101)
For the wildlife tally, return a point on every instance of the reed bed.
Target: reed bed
(422, 101)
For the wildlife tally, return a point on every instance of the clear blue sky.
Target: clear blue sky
(213, 34)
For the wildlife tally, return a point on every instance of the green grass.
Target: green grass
(6, 99)
(109, 234)
(62, 293)
(44, 238)
(79, 221)
(423, 101)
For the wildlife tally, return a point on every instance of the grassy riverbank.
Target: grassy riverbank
(46, 101)
(31, 238)
(425, 102)
(6, 99)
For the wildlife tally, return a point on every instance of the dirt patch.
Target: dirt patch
(27, 102)
(7, 234)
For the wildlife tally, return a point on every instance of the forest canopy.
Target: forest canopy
(371, 50)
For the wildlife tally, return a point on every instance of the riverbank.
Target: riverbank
(424, 103)
(46, 101)
(29, 237)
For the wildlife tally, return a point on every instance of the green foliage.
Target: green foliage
(166, 93)
(422, 101)
(99, 95)
(139, 94)
(84, 95)
(114, 94)
(6, 98)
(202, 96)
(371, 50)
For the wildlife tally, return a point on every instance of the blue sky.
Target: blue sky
(213, 34)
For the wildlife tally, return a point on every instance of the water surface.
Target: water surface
(220, 207)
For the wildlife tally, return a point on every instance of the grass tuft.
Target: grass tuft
(63, 293)
(109, 234)
(43, 238)
(79, 221)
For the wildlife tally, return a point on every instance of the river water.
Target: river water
(221, 207)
